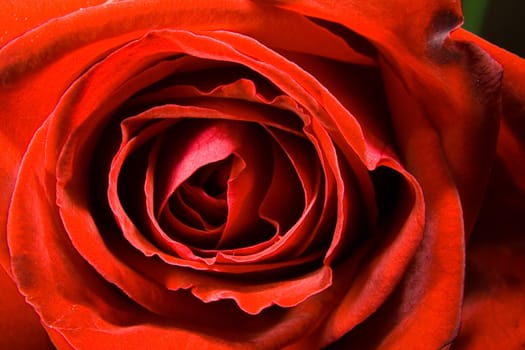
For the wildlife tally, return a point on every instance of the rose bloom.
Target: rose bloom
(259, 175)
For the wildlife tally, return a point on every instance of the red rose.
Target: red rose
(244, 174)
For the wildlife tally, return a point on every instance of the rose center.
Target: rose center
(213, 178)
(200, 202)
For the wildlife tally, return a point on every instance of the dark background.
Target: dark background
(501, 22)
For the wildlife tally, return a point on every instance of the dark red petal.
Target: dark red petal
(247, 188)
(347, 217)
(382, 263)
(431, 289)
(127, 192)
(285, 198)
(255, 297)
(298, 84)
(494, 309)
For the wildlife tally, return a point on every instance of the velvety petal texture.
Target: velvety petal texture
(259, 174)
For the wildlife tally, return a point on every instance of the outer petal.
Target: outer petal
(494, 307)
(448, 146)
(19, 16)
(19, 326)
(432, 68)
(511, 142)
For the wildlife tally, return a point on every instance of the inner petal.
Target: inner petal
(213, 178)
(213, 211)
(220, 170)
(193, 203)
(249, 182)
(187, 148)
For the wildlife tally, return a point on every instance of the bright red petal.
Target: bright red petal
(20, 327)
